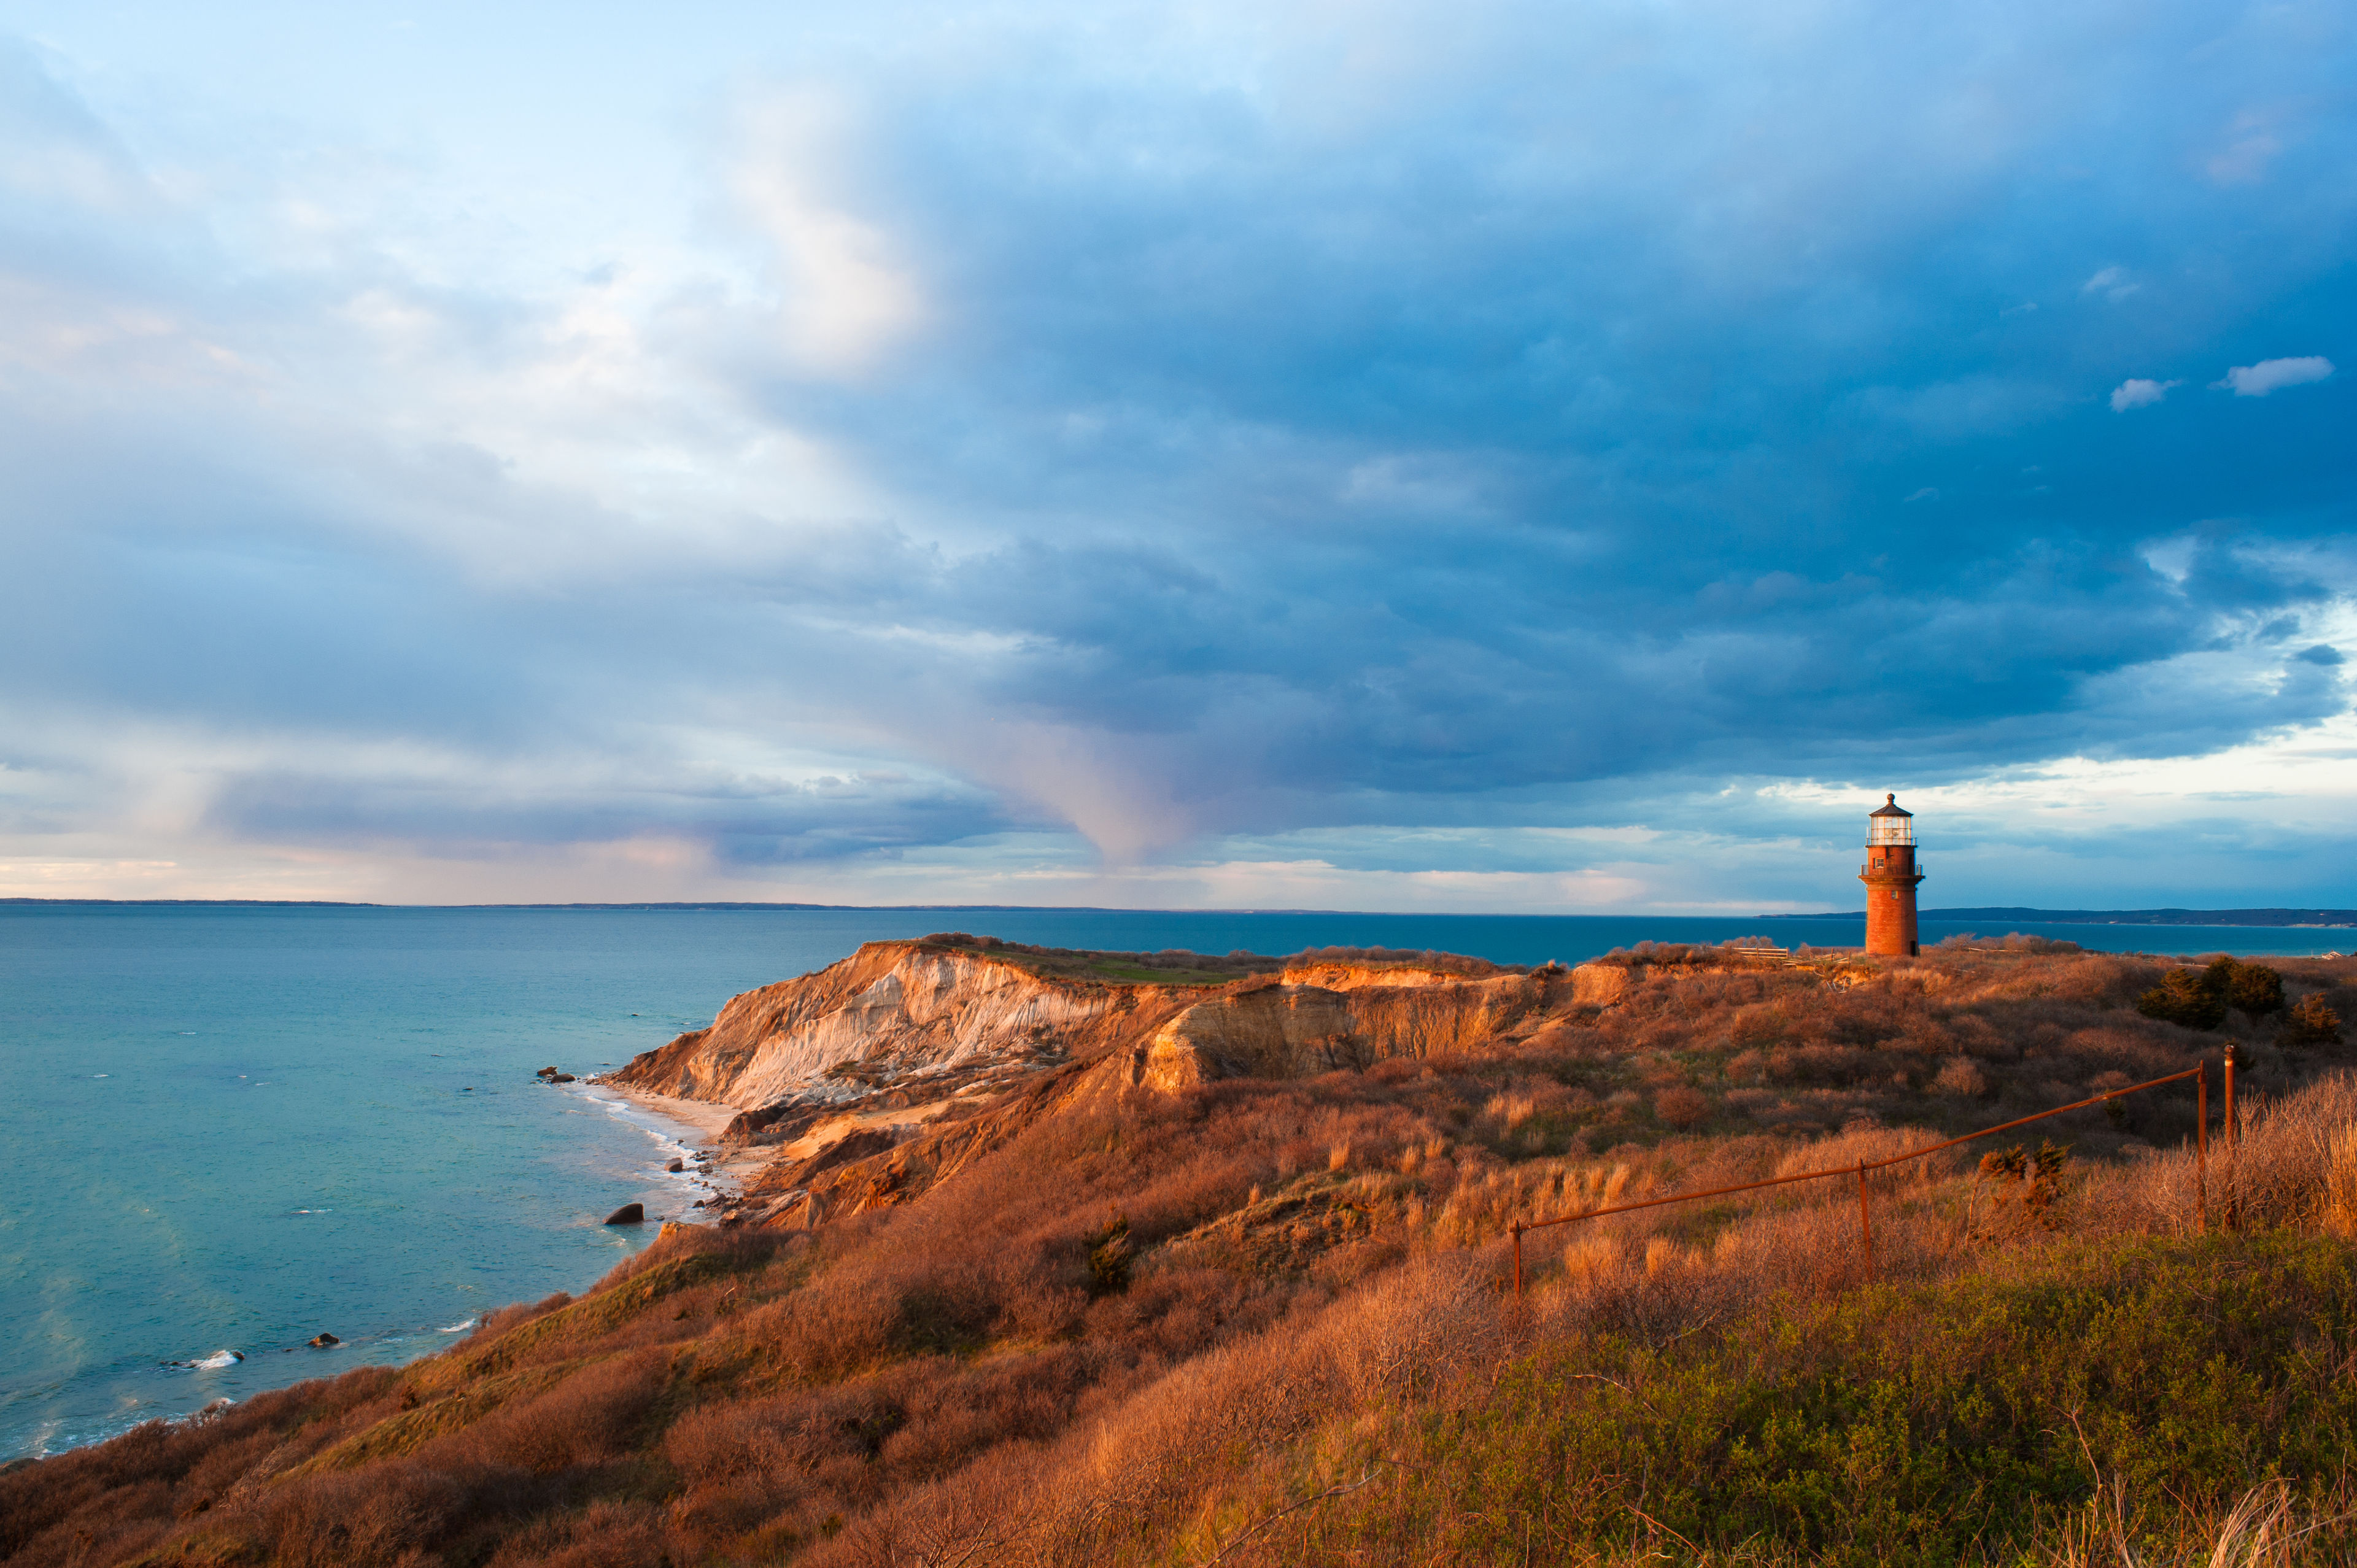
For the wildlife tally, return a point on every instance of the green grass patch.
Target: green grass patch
(589, 1319)
(1932, 1425)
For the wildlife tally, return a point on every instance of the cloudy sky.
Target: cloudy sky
(1493, 455)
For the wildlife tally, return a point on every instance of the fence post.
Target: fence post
(1865, 1225)
(2233, 1149)
(1518, 1260)
(2202, 1148)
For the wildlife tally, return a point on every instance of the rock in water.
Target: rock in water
(629, 1214)
(321, 1341)
(676, 1165)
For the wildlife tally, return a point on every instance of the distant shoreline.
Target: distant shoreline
(2302, 919)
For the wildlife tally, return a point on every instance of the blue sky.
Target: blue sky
(1390, 456)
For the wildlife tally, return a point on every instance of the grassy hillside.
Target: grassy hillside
(1262, 1322)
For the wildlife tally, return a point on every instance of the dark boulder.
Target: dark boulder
(629, 1214)
(321, 1341)
(676, 1165)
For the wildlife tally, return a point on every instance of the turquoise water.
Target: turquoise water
(232, 1129)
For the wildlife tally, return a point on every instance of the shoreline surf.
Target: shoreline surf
(688, 1131)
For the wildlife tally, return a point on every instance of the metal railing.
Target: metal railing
(2200, 1074)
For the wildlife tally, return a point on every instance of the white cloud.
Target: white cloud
(848, 293)
(2113, 282)
(2136, 393)
(2250, 145)
(2274, 375)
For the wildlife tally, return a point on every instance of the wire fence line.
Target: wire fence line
(1864, 1167)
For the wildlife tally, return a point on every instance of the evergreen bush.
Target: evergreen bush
(2201, 1000)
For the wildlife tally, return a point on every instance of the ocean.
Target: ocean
(235, 1128)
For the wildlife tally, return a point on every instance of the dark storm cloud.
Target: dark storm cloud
(1559, 425)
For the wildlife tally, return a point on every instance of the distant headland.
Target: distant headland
(2118, 917)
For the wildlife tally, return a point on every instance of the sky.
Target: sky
(1493, 455)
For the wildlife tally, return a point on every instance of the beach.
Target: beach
(690, 1130)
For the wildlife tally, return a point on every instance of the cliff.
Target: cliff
(891, 1010)
(912, 1040)
(880, 1076)
(922, 1013)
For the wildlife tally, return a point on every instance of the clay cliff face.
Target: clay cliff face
(1319, 1018)
(882, 1074)
(891, 1008)
(899, 1010)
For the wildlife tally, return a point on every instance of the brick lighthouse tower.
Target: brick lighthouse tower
(1890, 876)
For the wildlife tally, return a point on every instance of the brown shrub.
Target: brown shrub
(1961, 1076)
(1681, 1107)
(599, 1414)
(603, 1535)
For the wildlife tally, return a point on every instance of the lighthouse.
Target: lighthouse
(1890, 876)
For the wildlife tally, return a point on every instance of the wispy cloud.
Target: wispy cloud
(2113, 282)
(2274, 375)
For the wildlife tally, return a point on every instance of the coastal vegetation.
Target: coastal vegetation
(1267, 1317)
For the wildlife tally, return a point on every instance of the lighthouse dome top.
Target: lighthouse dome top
(1890, 824)
(1891, 808)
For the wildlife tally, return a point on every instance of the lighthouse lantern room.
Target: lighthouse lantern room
(1890, 876)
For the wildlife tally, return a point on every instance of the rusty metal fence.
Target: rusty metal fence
(2200, 1074)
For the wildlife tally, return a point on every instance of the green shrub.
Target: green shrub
(2255, 988)
(1932, 1425)
(2199, 1001)
(2182, 998)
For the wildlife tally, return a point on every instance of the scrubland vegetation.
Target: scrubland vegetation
(1177, 966)
(1263, 1321)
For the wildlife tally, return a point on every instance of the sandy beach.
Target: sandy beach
(696, 1126)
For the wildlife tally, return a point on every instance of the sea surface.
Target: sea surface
(232, 1129)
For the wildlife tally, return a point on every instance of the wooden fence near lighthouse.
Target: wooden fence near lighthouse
(2200, 1074)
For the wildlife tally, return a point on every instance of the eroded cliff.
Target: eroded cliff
(902, 1011)
(881, 1074)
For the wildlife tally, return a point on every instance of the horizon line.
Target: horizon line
(2324, 917)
